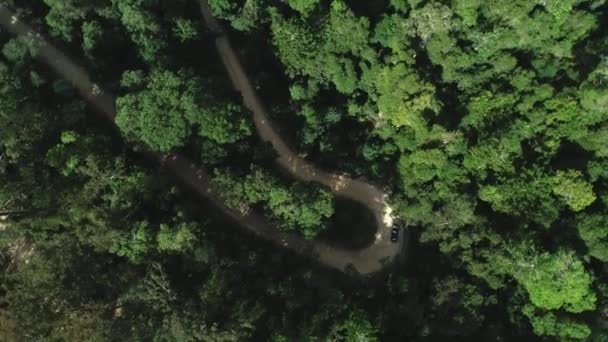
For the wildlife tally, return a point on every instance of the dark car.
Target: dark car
(395, 234)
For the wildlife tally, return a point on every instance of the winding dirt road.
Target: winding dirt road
(364, 261)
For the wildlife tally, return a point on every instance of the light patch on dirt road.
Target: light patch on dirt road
(388, 214)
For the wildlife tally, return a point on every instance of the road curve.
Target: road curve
(364, 261)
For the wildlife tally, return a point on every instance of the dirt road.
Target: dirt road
(364, 261)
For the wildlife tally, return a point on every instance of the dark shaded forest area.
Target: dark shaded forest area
(485, 120)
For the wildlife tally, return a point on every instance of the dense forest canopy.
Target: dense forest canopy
(485, 121)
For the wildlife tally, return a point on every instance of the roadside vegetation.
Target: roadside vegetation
(487, 121)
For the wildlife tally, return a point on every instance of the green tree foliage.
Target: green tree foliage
(21, 49)
(457, 306)
(38, 291)
(300, 207)
(185, 29)
(64, 16)
(141, 21)
(156, 114)
(179, 239)
(557, 284)
(486, 122)
(92, 33)
(574, 191)
(23, 124)
(593, 90)
(554, 281)
(548, 324)
(244, 17)
(143, 27)
(153, 288)
(325, 59)
(163, 108)
(467, 10)
(401, 96)
(303, 6)
(222, 123)
(530, 196)
(356, 327)
(593, 230)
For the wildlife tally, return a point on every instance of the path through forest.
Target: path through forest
(364, 261)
